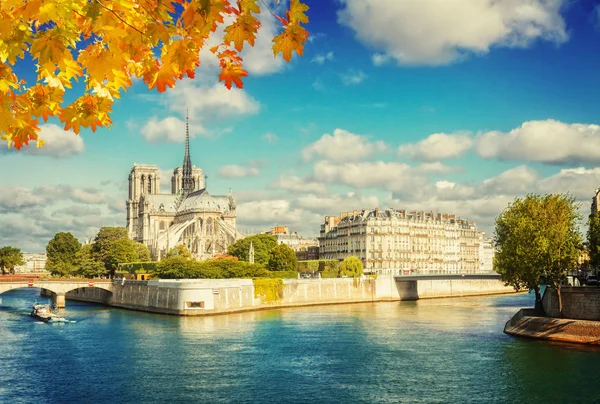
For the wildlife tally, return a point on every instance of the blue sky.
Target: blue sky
(455, 106)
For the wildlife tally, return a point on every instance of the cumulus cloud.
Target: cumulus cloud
(391, 176)
(237, 171)
(298, 184)
(267, 213)
(336, 203)
(549, 141)
(30, 217)
(167, 130)
(59, 143)
(517, 180)
(322, 58)
(438, 146)
(343, 146)
(353, 77)
(433, 32)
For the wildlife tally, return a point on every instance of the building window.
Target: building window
(149, 185)
(194, 305)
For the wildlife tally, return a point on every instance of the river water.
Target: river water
(429, 351)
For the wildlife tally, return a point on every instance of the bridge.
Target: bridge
(58, 288)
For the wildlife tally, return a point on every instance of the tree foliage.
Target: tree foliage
(61, 253)
(537, 240)
(106, 43)
(10, 257)
(352, 267)
(263, 244)
(112, 246)
(88, 266)
(179, 250)
(180, 267)
(593, 241)
(282, 258)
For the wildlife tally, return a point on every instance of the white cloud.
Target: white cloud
(334, 204)
(267, 213)
(377, 174)
(323, 57)
(209, 103)
(353, 77)
(549, 141)
(438, 146)
(318, 85)
(343, 146)
(517, 180)
(579, 182)
(237, 171)
(433, 32)
(59, 143)
(170, 130)
(298, 184)
(30, 217)
(269, 137)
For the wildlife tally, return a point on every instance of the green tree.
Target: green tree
(112, 246)
(263, 244)
(142, 251)
(352, 267)
(61, 251)
(87, 265)
(593, 241)
(179, 250)
(10, 257)
(282, 258)
(537, 240)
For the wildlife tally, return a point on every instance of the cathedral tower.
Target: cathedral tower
(188, 178)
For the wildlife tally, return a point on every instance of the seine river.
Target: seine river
(430, 351)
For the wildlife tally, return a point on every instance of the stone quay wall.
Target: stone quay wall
(579, 302)
(193, 297)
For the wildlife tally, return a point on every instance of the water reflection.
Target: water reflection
(449, 350)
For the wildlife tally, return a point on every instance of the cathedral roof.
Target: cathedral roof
(159, 202)
(201, 200)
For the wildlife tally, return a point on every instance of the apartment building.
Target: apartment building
(399, 241)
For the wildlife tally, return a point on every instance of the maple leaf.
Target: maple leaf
(232, 73)
(108, 42)
(292, 39)
(296, 13)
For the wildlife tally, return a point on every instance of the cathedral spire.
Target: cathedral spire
(188, 179)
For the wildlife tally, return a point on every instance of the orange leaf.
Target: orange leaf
(231, 72)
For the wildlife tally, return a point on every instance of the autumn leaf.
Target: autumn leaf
(297, 11)
(292, 39)
(105, 43)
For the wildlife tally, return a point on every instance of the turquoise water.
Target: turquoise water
(429, 351)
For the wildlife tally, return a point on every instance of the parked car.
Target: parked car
(591, 280)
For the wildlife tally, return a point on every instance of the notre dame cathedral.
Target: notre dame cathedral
(189, 215)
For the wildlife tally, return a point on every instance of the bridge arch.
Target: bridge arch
(58, 289)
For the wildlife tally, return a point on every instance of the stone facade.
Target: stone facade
(189, 215)
(389, 241)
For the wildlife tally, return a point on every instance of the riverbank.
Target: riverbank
(200, 297)
(526, 324)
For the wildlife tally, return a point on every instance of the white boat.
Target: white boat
(43, 312)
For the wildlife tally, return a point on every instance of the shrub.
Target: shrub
(138, 267)
(308, 266)
(283, 274)
(268, 290)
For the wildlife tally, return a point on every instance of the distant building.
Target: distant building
(486, 253)
(309, 252)
(34, 263)
(399, 241)
(284, 236)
